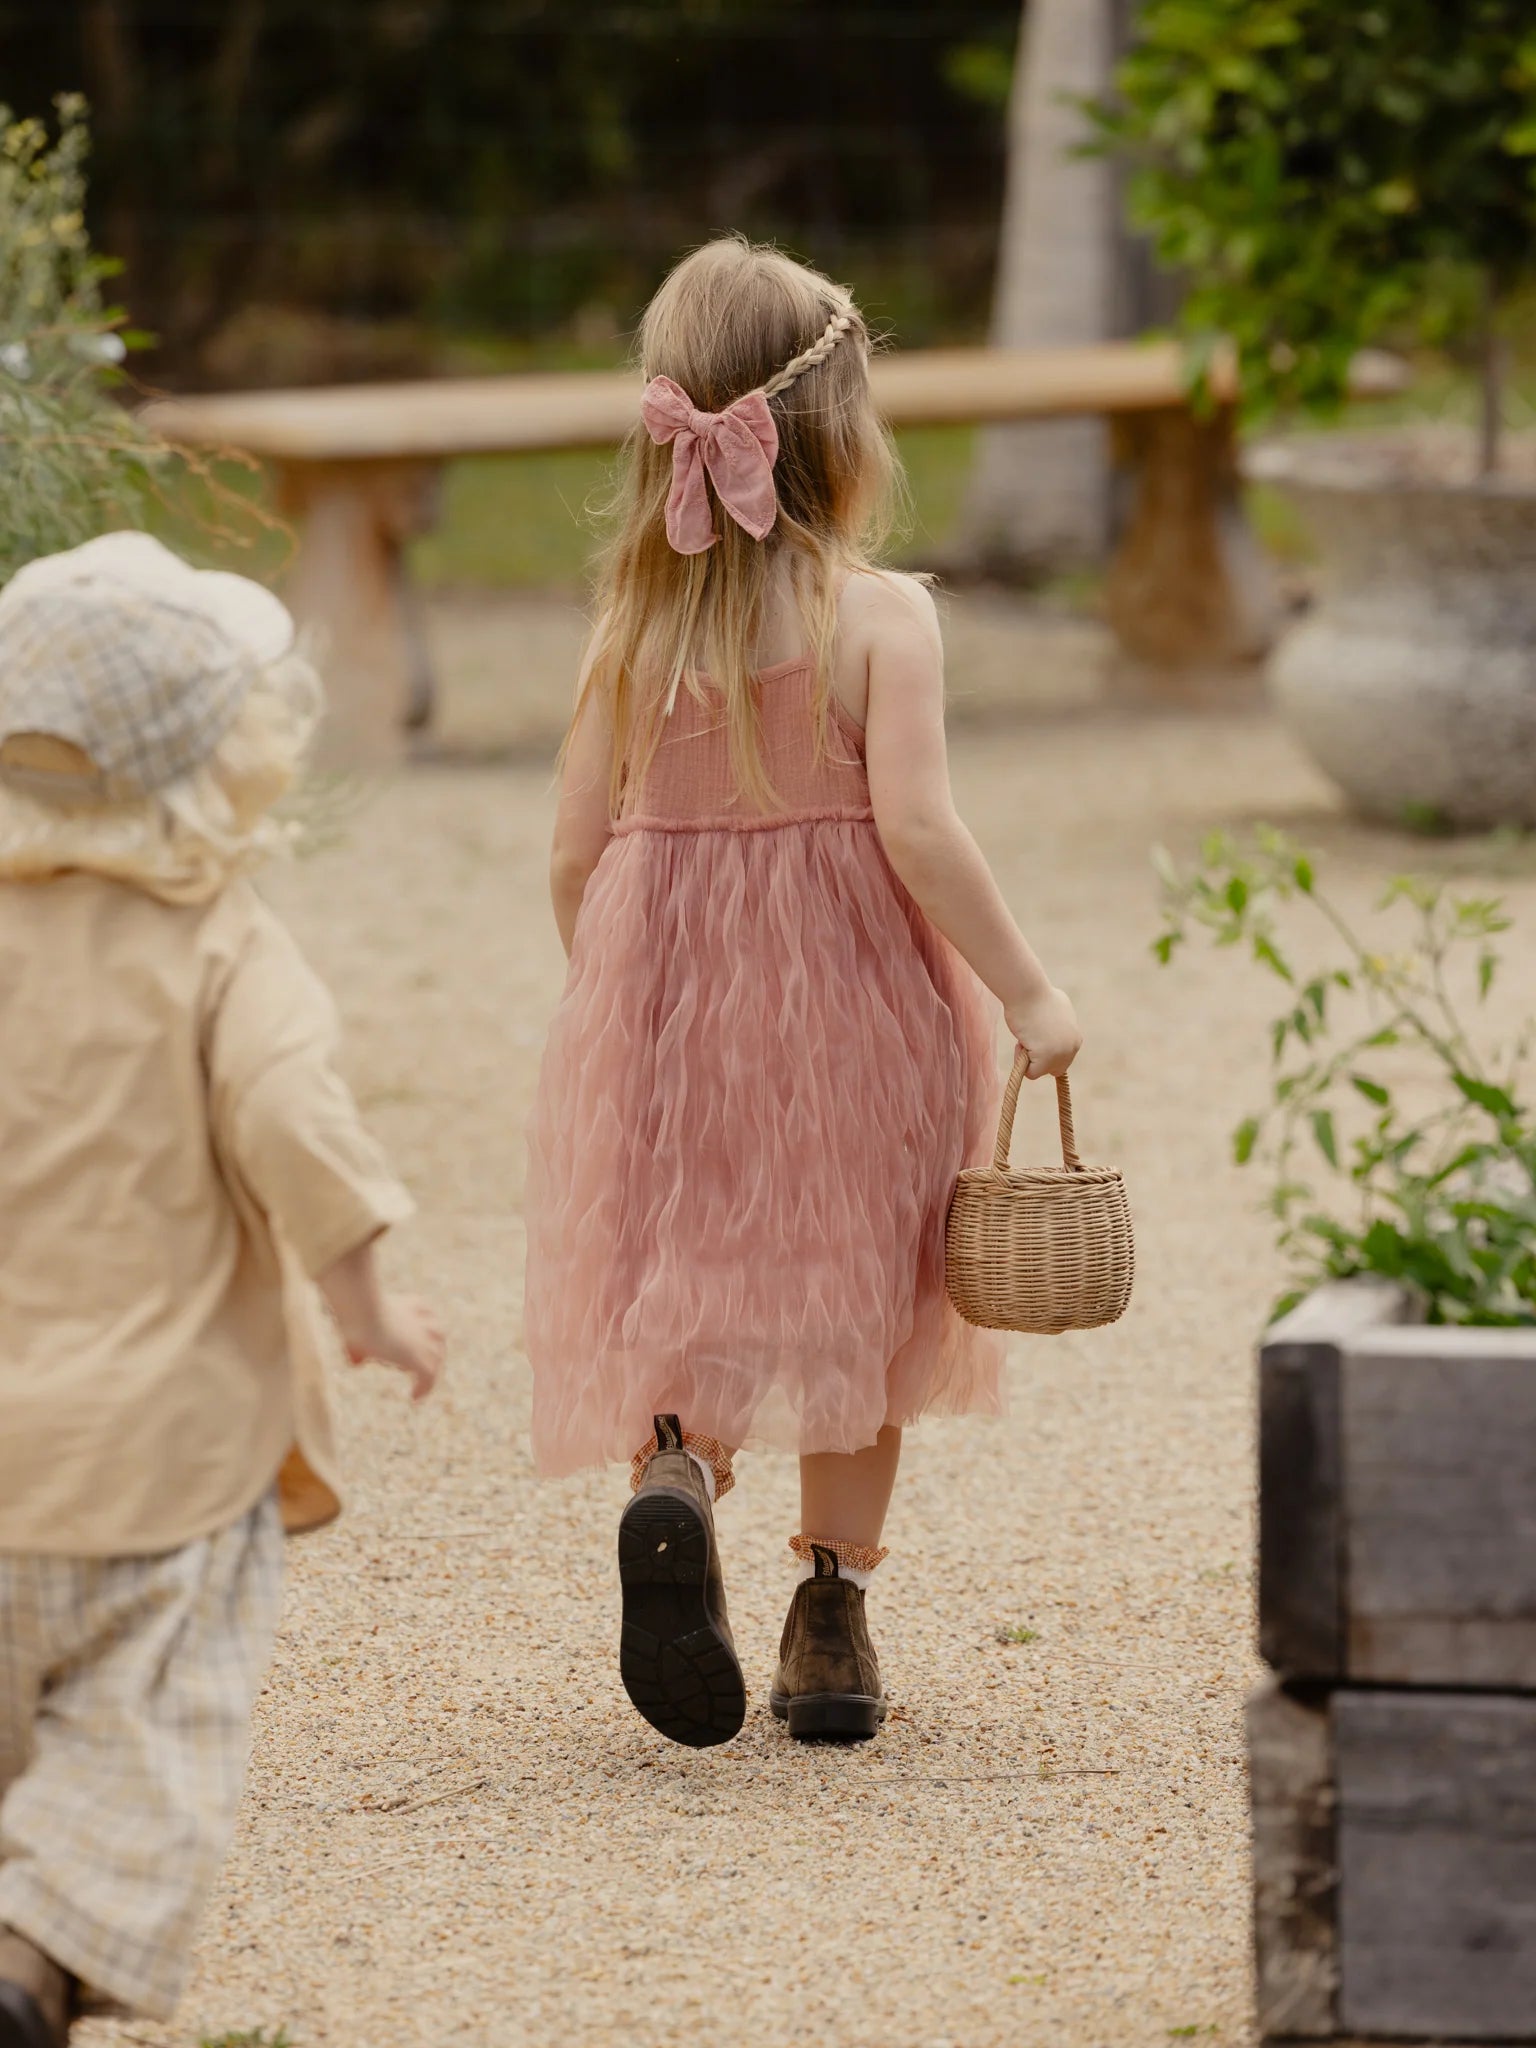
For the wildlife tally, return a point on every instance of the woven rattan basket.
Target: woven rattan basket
(1044, 1249)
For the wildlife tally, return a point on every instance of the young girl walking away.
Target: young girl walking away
(774, 1052)
(182, 1179)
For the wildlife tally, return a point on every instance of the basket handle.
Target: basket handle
(1010, 1103)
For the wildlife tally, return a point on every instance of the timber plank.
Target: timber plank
(1301, 1479)
(1436, 1829)
(437, 418)
(596, 409)
(1301, 1630)
(1439, 1447)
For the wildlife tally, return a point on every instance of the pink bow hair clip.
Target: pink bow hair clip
(738, 448)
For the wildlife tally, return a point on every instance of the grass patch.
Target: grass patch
(518, 522)
(249, 2037)
(938, 463)
(1282, 532)
(515, 522)
(221, 515)
(1017, 1633)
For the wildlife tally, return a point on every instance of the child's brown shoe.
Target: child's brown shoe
(676, 1655)
(828, 1680)
(34, 1996)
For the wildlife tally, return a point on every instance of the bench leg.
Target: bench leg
(348, 583)
(1189, 586)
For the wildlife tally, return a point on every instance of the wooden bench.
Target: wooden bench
(358, 470)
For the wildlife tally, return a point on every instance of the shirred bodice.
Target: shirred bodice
(690, 783)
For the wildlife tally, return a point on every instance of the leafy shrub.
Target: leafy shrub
(75, 461)
(1443, 1198)
(1326, 172)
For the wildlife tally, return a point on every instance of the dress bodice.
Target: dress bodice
(690, 783)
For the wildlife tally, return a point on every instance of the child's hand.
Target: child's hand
(1047, 1028)
(394, 1329)
(408, 1337)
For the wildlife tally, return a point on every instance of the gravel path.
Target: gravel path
(458, 1832)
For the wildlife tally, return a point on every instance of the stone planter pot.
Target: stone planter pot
(1412, 683)
(1393, 1754)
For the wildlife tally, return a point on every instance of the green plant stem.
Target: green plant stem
(1435, 951)
(1405, 1013)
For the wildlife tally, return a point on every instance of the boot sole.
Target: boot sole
(678, 1669)
(833, 1716)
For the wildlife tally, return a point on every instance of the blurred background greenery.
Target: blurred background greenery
(323, 187)
(309, 191)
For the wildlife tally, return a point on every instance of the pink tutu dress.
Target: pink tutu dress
(764, 1074)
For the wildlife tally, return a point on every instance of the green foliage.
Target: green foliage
(74, 460)
(982, 71)
(244, 2037)
(1444, 1197)
(1327, 173)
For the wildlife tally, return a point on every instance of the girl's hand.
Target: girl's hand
(407, 1336)
(1047, 1028)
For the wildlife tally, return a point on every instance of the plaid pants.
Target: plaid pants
(126, 1687)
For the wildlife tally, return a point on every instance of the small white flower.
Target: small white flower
(99, 348)
(16, 359)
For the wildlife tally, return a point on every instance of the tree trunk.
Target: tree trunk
(1040, 494)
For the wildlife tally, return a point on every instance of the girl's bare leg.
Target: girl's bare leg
(828, 1681)
(844, 1494)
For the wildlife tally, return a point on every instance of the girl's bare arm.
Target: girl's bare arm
(583, 824)
(927, 844)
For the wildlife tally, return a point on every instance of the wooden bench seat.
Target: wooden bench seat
(357, 470)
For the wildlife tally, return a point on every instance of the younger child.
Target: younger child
(774, 1051)
(183, 1177)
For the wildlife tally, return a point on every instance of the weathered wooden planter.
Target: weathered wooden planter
(1394, 1755)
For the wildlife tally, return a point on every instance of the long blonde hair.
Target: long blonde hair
(732, 318)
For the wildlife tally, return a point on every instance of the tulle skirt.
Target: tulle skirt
(764, 1074)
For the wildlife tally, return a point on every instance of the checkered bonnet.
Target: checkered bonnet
(126, 654)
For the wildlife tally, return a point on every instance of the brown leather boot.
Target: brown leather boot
(828, 1680)
(35, 1996)
(676, 1654)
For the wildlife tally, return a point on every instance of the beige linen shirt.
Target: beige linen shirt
(178, 1161)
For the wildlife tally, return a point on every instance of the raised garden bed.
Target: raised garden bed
(1393, 1754)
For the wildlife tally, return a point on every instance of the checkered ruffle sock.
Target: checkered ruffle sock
(707, 1449)
(851, 1557)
